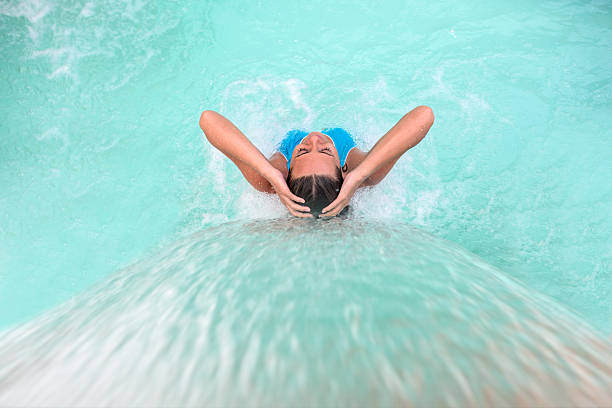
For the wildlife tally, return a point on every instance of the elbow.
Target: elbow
(426, 113)
(206, 118)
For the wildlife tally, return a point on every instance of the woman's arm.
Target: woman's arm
(367, 169)
(226, 137)
(259, 172)
(407, 133)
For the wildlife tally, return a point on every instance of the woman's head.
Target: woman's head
(315, 173)
(317, 190)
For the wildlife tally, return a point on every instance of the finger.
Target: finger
(300, 214)
(293, 205)
(333, 213)
(335, 210)
(331, 205)
(296, 198)
(301, 208)
(283, 190)
(289, 204)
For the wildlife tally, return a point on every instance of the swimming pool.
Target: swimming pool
(102, 164)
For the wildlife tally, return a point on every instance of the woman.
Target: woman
(318, 172)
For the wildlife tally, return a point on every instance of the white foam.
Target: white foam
(62, 59)
(33, 34)
(87, 10)
(254, 205)
(213, 218)
(54, 134)
(33, 10)
(424, 205)
(64, 70)
(216, 167)
(294, 88)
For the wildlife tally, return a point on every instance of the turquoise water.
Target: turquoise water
(102, 163)
(101, 159)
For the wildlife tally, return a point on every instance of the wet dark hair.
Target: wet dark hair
(317, 190)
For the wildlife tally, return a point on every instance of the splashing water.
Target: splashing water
(242, 314)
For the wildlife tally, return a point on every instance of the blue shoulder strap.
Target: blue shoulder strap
(342, 140)
(292, 139)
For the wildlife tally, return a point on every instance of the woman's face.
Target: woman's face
(316, 154)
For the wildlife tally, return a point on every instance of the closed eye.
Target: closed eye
(327, 151)
(302, 151)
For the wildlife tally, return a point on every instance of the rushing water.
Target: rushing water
(242, 314)
(102, 165)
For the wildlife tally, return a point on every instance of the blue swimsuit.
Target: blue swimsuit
(343, 142)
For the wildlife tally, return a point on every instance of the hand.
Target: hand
(289, 200)
(350, 184)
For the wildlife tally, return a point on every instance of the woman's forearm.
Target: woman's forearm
(406, 134)
(226, 137)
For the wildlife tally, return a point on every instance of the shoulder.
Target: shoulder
(279, 162)
(353, 159)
